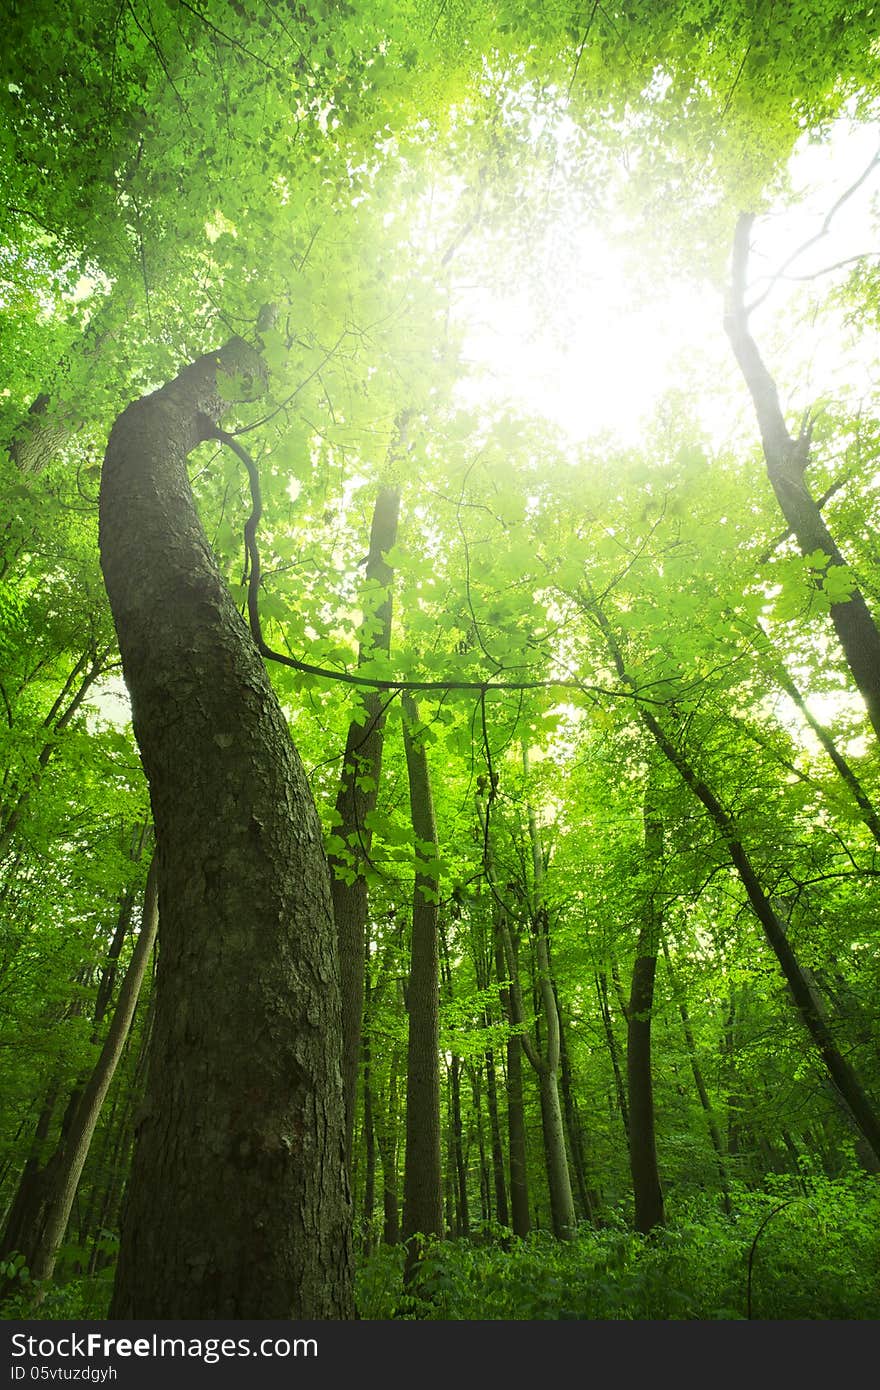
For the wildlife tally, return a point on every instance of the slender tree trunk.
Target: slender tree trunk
(63, 1173)
(238, 1202)
(502, 1211)
(475, 1074)
(87, 671)
(422, 1182)
(546, 1062)
(26, 1204)
(516, 1125)
(562, 1201)
(802, 992)
(733, 1099)
(516, 1141)
(699, 1082)
(613, 1049)
(845, 771)
(369, 1135)
(787, 459)
(386, 1138)
(462, 1209)
(516, 1119)
(647, 1190)
(358, 792)
(573, 1124)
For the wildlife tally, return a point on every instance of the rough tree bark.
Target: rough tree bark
(238, 1203)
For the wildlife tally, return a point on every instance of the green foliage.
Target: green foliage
(173, 170)
(817, 1260)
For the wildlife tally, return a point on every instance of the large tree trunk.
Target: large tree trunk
(647, 1191)
(422, 1181)
(238, 1202)
(787, 459)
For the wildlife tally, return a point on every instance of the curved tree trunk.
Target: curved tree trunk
(238, 1202)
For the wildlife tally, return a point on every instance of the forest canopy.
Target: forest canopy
(439, 659)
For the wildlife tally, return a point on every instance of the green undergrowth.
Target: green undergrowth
(794, 1250)
(813, 1254)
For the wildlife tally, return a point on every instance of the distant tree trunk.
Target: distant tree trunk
(573, 1126)
(699, 1082)
(787, 459)
(462, 1208)
(24, 1208)
(358, 792)
(238, 1202)
(64, 1170)
(475, 1075)
(55, 415)
(647, 1190)
(546, 1061)
(386, 1139)
(456, 1131)
(80, 680)
(422, 1181)
(802, 991)
(613, 1049)
(369, 1138)
(520, 1219)
(502, 1211)
(845, 771)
